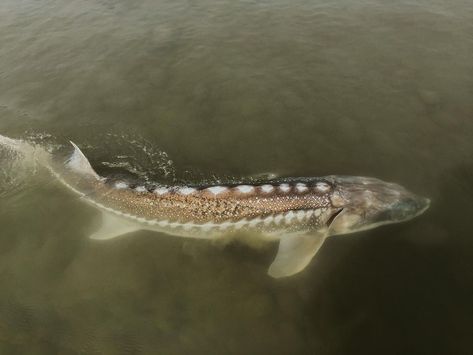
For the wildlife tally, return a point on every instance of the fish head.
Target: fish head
(362, 203)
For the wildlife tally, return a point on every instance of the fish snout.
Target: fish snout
(410, 207)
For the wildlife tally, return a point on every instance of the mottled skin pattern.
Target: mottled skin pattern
(203, 206)
(272, 206)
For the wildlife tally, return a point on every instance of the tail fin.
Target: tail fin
(13, 144)
(80, 164)
(29, 154)
(20, 146)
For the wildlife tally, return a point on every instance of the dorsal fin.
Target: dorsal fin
(80, 164)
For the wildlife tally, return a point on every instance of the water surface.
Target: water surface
(218, 90)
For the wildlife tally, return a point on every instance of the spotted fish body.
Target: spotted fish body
(299, 212)
(270, 208)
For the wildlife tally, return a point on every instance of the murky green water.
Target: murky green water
(209, 90)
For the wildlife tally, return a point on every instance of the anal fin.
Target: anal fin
(114, 226)
(295, 253)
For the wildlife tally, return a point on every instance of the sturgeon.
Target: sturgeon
(298, 212)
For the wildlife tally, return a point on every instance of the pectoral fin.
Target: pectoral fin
(294, 254)
(113, 226)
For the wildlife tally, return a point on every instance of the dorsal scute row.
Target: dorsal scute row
(284, 188)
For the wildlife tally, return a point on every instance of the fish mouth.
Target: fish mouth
(423, 205)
